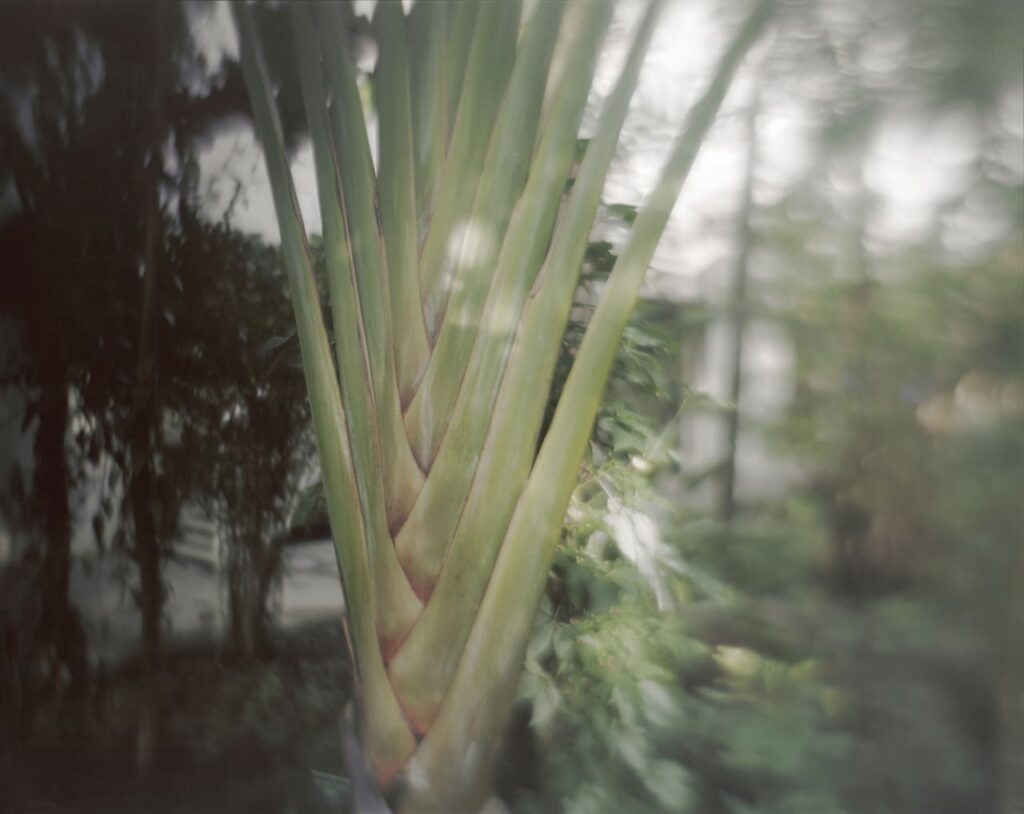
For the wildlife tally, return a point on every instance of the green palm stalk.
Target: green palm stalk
(451, 273)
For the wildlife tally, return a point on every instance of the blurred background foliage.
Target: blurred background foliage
(843, 632)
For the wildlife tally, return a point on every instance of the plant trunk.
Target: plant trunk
(252, 569)
(147, 557)
(58, 636)
(1010, 690)
(51, 499)
(246, 610)
(268, 572)
(428, 409)
(244, 622)
(738, 306)
(143, 424)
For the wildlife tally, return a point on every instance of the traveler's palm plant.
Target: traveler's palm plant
(451, 273)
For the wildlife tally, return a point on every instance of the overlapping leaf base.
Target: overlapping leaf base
(451, 273)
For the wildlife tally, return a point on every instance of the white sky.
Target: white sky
(912, 165)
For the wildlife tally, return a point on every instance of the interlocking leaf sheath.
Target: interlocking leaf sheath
(451, 271)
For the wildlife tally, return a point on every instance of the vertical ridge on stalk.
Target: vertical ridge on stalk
(503, 176)
(480, 694)
(430, 97)
(487, 71)
(389, 740)
(402, 474)
(469, 498)
(397, 606)
(397, 196)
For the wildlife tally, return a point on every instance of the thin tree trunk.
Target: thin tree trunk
(242, 600)
(147, 557)
(144, 421)
(146, 547)
(251, 576)
(1011, 697)
(243, 620)
(51, 493)
(268, 571)
(738, 306)
(237, 577)
(59, 626)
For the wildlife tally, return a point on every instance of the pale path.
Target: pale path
(196, 605)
